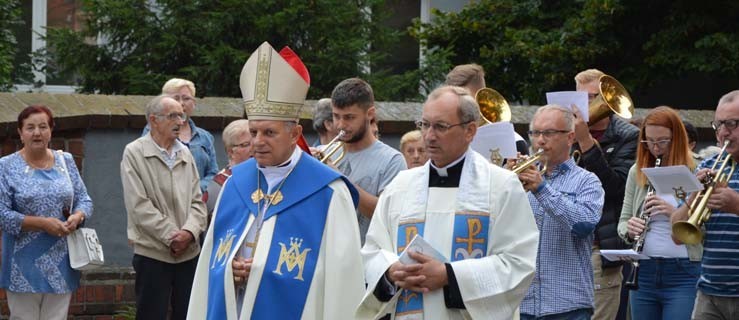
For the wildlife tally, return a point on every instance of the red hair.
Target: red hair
(28, 111)
(679, 147)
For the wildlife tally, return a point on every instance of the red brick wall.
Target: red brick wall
(72, 141)
(102, 293)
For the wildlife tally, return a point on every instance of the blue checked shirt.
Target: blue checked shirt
(567, 208)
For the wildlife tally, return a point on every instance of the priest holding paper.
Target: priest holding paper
(284, 240)
(474, 214)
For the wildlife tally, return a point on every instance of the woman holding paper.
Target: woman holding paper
(35, 218)
(667, 279)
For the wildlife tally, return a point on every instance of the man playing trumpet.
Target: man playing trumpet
(718, 285)
(566, 201)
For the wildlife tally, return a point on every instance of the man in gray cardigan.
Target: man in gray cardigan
(166, 213)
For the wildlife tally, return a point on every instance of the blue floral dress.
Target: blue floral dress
(35, 261)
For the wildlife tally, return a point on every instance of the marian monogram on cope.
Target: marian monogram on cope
(224, 248)
(292, 257)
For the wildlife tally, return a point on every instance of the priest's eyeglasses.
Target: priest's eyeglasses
(729, 124)
(438, 127)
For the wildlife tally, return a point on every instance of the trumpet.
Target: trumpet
(331, 148)
(689, 232)
(528, 162)
(633, 282)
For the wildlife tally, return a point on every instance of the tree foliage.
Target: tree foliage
(10, 12)
(133, 46)
(528, 47)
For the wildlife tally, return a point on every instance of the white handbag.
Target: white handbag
(85, 250)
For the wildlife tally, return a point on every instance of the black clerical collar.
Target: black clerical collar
(451, 180)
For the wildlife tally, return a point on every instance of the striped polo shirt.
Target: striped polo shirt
(720, 265)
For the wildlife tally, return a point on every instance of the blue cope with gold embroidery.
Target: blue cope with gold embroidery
(296, 238)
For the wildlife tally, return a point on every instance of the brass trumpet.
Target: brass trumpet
(689, 232)
(529, 161)
(331, 148)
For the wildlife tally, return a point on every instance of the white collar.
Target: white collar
(443, 171)
(275, 174)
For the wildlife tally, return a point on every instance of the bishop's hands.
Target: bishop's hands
(241, 268)
(425, 276)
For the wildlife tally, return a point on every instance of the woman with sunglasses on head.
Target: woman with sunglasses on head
(666, 281)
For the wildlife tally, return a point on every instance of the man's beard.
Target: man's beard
(361, 132)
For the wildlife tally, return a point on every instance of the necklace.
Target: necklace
(45, 163)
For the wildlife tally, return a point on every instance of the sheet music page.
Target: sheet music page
(568, 98)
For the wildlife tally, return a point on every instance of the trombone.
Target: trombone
(324, 156)
(689, 232)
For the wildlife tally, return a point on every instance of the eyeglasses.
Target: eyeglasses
(546, 133)
(173, 116)
(730, 124)
(183, 98)
(242, 145)
(438, 127)
(660, 143)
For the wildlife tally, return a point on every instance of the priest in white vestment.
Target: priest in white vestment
(476, 215)
(284, 241)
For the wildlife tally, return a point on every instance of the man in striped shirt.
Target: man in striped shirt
(718, 286)
(567, 201)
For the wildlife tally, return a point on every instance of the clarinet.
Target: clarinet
(633, 282)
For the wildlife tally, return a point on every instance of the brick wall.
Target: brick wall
(102, 293)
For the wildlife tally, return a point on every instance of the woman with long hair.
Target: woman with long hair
(667, 279)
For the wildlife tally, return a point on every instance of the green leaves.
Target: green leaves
(143, 43)
(530, 47)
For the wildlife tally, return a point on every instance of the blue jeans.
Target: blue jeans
(667, 288)
(579, 314)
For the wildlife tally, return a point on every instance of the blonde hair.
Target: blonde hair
(466, 74)
(233, 130)
(410, 136)
(588, 76)
(175, 84)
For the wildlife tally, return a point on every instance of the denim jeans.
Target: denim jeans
(667, 288)
(579, 314)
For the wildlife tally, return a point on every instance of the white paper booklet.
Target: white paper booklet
(622, 255)
(418, 244)
(569, 98)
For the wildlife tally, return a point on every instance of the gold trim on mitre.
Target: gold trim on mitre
(271, 88)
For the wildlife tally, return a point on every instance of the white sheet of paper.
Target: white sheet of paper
(568, 98)
(418, 244)
(667, 179)
(499, 135)
(622, 255)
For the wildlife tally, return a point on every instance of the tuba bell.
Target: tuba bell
(612, 98)
(689, 232)
(493, 107)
